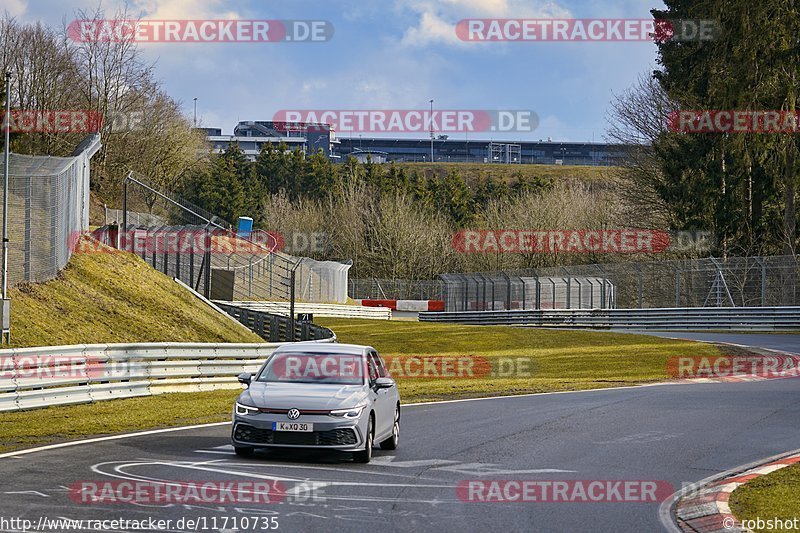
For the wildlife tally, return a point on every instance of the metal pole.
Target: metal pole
(292, 276)
(6, 323)
(431, 131)
(207, 278)
(123, 231)
(7, 159)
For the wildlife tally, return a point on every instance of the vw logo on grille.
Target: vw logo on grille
(293, 414)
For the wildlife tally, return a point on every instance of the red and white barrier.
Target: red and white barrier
(415, 306)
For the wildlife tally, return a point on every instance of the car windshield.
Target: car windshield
(332, 369)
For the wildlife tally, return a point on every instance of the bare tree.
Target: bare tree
(636, 119)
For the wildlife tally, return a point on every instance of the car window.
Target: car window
(373, 368)
(381, 366)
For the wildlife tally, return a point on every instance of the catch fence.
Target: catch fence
(215, 258)
(707, 282)
(48, 210)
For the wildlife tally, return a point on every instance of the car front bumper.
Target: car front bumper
(256, 431)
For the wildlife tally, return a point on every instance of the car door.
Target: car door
(384, 408)
(383, 370)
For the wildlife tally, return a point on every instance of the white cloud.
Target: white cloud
(437, 18)
(15, 8)
(184, 9)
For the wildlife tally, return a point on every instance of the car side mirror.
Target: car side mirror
(245, 378)
(384, 383)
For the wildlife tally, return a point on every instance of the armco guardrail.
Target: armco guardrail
(31, 378)
(276, 328)
(324, 310)
(722, 318)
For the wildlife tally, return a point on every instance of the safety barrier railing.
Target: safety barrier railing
(694, 318)
(276, 328)
(32, 378)
(318, 310)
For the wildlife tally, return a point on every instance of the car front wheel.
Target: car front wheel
(365, 455)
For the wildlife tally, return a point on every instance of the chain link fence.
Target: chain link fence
(213, 257)
(395, 289)
(708, 282)
(48, 210)
(114, 216)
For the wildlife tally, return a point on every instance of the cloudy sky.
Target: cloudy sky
(387, 54)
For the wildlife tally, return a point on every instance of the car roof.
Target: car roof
(326, 347)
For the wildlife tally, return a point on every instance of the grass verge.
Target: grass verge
(560, 360)
(554, 360)
(114, 297)
(776, 495)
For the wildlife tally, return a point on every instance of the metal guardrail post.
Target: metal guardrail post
(568, 280)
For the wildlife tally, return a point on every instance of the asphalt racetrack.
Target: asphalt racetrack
(675, 434)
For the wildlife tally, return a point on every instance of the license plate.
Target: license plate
(302, 427)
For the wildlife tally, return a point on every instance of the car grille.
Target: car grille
(333, 437)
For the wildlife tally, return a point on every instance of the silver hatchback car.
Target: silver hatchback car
(323, 396)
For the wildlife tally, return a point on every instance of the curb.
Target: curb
(706, 509)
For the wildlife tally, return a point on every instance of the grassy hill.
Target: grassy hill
(114, 297)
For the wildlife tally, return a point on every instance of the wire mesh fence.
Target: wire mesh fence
(708, 282)
(48, 210)
(114, 216)
(215, 258)
(395, 289)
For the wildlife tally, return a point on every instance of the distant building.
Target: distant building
(310, 138)
(374, 156)
(485, 151)
(253, 136)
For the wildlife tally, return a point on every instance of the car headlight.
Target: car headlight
(353, 412)
(245, 409)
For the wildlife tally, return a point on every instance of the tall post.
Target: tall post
(432, 131)
(6, 319)
(292, 278)
(207, 279)
(123, 231)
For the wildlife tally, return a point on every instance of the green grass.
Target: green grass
(59, 424)
(776, 495)
(509, 173)
(114, 297)
(560, 360)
